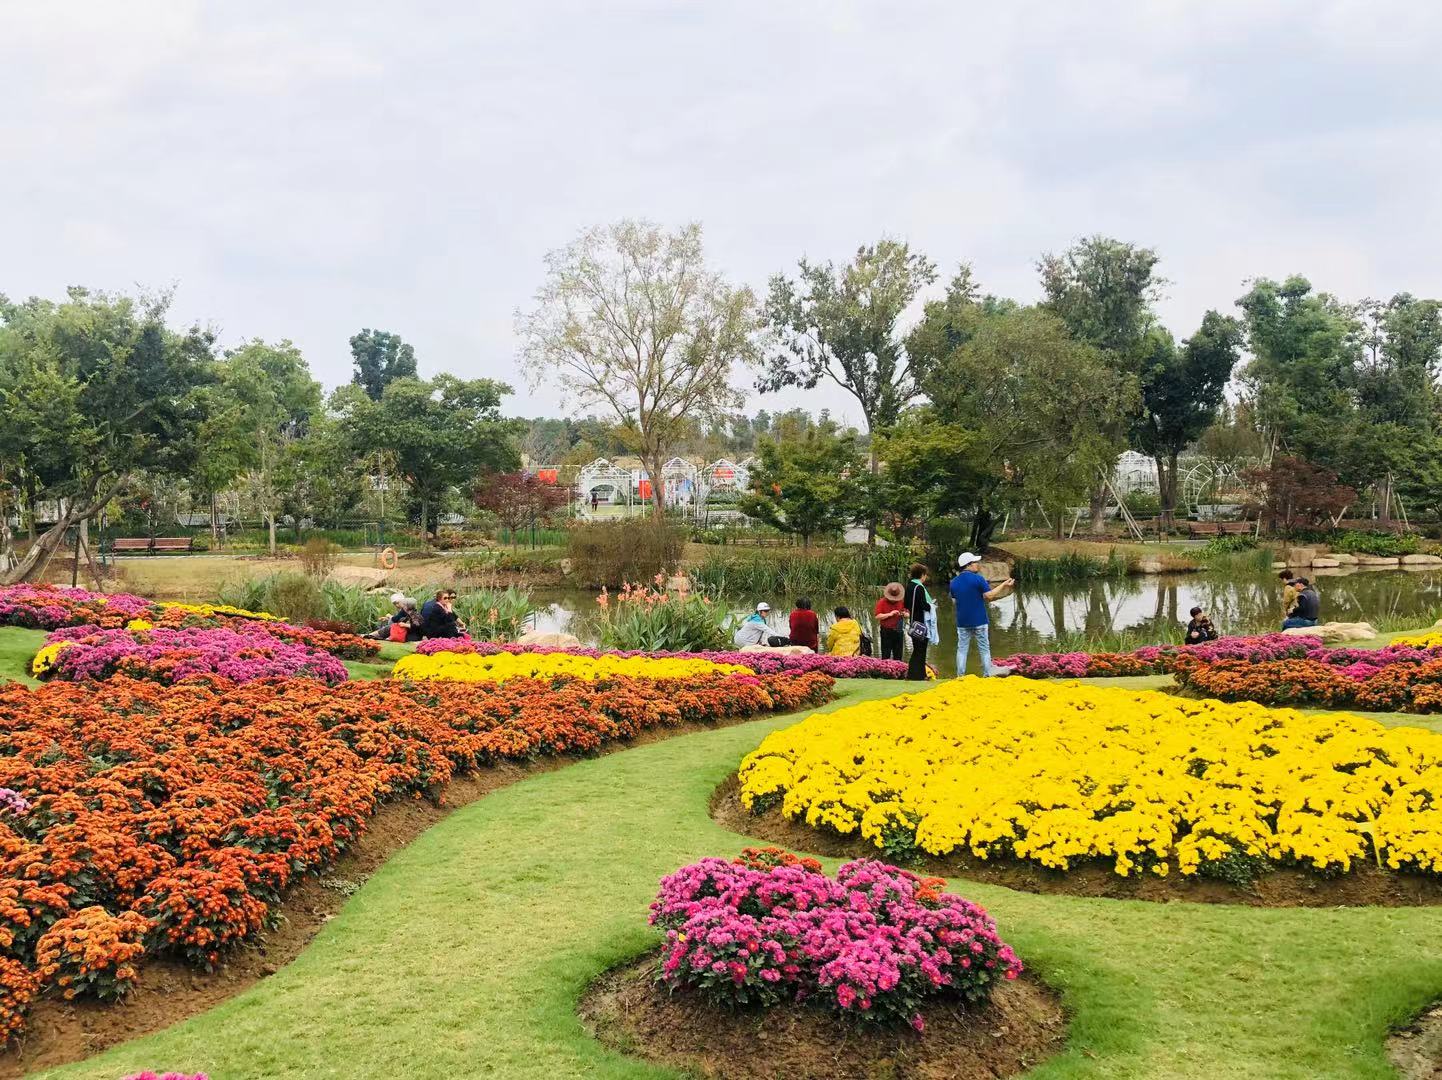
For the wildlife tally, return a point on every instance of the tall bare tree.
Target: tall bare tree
(632, 322)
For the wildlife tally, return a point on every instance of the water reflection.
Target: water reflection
(1034, 618)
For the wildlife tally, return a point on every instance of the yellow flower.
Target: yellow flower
(1060, 773)
(471, 667)
(44, 661)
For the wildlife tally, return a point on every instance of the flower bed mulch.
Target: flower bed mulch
(1021, 1026)
(1363, 886)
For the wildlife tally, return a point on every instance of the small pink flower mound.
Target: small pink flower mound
(875, 942)
(171, 655)
(838, 667)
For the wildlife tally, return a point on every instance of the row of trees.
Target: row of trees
(985, 403)
(99, 394)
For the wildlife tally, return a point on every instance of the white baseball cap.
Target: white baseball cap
(966, 558)
(763, 606)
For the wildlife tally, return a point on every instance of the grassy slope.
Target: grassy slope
(465, 954)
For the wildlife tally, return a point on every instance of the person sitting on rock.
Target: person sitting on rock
(1200, 629)
(1308, 607)
(756, 631)
(844, 637)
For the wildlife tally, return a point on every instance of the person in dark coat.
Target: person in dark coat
(918, 603)
(438, 616)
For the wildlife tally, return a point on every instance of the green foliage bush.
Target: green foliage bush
(611, 553)
(1385, 544)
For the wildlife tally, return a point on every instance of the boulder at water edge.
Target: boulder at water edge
(1335, 631)
(550, 639)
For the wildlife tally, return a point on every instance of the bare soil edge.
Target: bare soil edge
(1364, 886)
(169, 991)
(1416, 1050)
(1022, 1026)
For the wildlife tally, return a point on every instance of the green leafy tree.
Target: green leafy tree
(1181, 390)
(631, 321)
(841, 323)
(929, 470)
(1044, 411)
(1103, 290)
(440, 433)
(93, 390)
(380, 358)
(807, 486)
(267, 395)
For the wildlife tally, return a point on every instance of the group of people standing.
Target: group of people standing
(436, 618)
(903, 612)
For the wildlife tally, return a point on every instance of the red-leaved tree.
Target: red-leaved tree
(520, 499)
(1294, 494)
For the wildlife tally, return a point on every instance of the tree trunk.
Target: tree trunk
(652, 465)
(875, 468)
(48, 542)
(270, 528)
(214, 525)
(425, 515)
(1099, 509)
(1384, 501)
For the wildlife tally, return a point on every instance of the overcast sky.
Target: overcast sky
(303, 170)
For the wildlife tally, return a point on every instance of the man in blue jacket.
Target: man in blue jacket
(972, 593)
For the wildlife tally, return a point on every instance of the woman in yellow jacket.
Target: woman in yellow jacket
(844, 637)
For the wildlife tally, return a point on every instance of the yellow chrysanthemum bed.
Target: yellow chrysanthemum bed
(470, 667)
(1429, 639)
(1059, 773)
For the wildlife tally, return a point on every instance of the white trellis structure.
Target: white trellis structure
(1207, 480)
(680, 483)
(601, 476)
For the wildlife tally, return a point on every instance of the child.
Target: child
(1200, 629)
(844, 637)
(804, 627)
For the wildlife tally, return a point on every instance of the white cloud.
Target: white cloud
(306, 170)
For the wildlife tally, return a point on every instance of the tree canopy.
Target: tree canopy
(380, 358)
(631, 321)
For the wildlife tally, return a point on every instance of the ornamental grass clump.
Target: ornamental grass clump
(875, 942)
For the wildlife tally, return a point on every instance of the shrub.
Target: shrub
(610, 553)
(495, 614)
(1384, 544)
(875, 942)
(317, 557)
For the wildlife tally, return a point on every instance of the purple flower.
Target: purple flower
(172, 655)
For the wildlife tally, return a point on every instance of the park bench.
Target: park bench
(1203, 528)
(159, 543)
(1237, 528)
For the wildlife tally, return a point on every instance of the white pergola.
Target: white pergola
(679, 482)
(601, 475)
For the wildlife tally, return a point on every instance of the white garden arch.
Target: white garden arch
(603, 478)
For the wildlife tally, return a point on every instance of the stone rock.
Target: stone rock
(566, 567)
(1346, 558)
(1421, 560)
(1335, 571)
(783, 650)
(550, 639)
(1335, 631)
(1279, 566)
(1376, 560)
(994, 570)
(1321, 562)
(1301, 556)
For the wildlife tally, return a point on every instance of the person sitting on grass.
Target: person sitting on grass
(844, 637)
(804, 627)
(1200, 629)
(438, 617)
(383, 631)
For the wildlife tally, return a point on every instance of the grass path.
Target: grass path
(465, 954)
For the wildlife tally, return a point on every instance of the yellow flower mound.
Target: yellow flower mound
(1431, 639)
(140, 624)
(1056, 773)
(44, 659)
(209, 610)
(469, 667)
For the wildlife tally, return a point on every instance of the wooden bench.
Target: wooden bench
(1236, 528)
(159, 543)
(1203, 528)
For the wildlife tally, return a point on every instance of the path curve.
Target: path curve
(465, 955)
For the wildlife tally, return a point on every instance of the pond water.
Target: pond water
(1034, 618)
